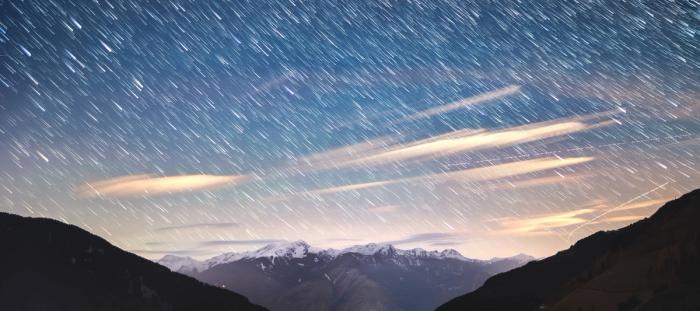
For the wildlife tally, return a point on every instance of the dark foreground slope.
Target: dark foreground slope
(652, 264)
(48, 265)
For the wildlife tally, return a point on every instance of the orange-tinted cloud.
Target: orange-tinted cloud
(626, 218)
(352, 187)
(385, 209)
(383, 151)
(509, 169)
(467, 175)
(645, 204)
(147, 185)
(542, 223)
(539, 181)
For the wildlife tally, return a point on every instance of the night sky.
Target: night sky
(491, 127)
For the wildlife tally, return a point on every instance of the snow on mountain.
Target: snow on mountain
(296, 249)
(387, 249)
(369, 249)
(224, 258)
(451, 253)
(520, 258)
(300, 249)
(182, 264)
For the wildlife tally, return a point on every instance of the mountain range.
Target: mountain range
(653, 264)
(49, 265)
(296, 276)
(649, 265)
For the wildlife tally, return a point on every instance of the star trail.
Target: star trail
(490, 127)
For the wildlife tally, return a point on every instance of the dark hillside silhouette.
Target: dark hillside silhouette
(653, 264)
(48, 265)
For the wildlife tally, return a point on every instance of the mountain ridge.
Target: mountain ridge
(50, 265)
(300, 248)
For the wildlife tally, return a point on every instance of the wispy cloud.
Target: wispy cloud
(446, 243)
(387, 150)
(485, 173)
(433, 237)
(339, 156)
(342, 240)
(646, 204)
(538, 182)
(542, 223)
(466, 102)
(352, 187)
(179, 252)
(147, 185)
(616, 208)
(625, 218)
(213, 225)
(508, 169)
(238, 242)
(386, 209)
(551, 223)
(483, 140)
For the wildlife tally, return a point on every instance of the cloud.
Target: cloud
(627, 218)
(481, 140)
(434, 237)
(497, 171)
(645, 204)
(238, 242)
(330, 190)
(466, 102)
(386, 209)
(545, 224)
(447, 243)
(352, 187)
(616, 208)
(147, 185)
(333, 157)
(538, 182)
(342, 240)
(542, 223)
(178, 252)
(387, 150)
(508, 169)
(212, 225)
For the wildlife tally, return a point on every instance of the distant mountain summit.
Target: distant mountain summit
(297, 276)
(48, 265)
(301, 249)
(653, 264)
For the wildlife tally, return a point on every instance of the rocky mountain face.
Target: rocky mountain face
(296, 276)
(48, 265)
(652, 264)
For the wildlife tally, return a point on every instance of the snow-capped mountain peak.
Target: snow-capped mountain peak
(296, 249)
(370, 249)
(182, 264)
(451, 253)
(301, 249)
(224, 258)
(520, 258)
(390, 250)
